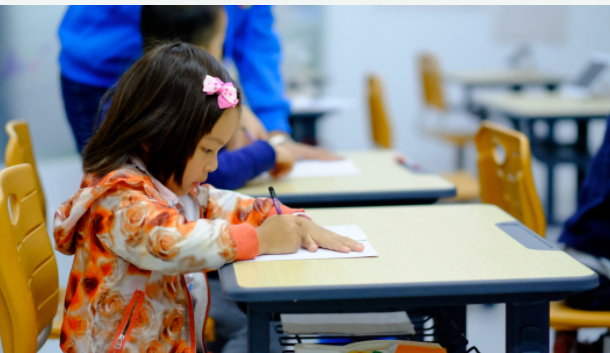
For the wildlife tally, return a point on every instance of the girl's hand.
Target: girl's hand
(285, 234)
(317, 236)
(284, 162)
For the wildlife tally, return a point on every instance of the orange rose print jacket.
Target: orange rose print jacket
(127, 290)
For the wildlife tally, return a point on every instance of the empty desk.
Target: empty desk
(524, 110)
(513, 79)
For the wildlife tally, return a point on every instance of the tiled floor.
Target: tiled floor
(61, 177)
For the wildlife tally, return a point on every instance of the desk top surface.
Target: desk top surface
(381, 177)
(423, 250)
(502, 77)
(547, 105)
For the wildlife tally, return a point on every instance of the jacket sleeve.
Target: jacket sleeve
(244, 213)
(155, 236)
(257, 55)
(236, 168)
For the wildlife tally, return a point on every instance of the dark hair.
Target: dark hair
(195, 24)
(159, 102)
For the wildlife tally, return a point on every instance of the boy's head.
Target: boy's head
(160, 113)
(201, 25)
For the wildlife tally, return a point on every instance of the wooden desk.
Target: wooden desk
(546, 106)
(515, 80)
(382, 182)
(524, 110)
(502, 78)
(429, 256)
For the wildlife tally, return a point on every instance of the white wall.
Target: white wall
(356, 40)
(386, 40)
(31, 75)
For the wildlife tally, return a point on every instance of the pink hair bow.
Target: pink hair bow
(227, 94)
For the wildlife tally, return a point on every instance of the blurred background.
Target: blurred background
(328, 54)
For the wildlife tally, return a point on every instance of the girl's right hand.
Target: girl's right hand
(285, 234)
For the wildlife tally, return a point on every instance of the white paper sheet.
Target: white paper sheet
(351, 230)
(309, 169)
(344, 324)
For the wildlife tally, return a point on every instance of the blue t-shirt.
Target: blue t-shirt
(99, 43)
(588, 230)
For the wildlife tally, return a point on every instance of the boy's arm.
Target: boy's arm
(236, 168)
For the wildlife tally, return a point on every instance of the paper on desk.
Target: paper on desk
(348, 324)
(309, 169)
(351, 230)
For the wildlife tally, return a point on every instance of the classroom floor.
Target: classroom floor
(61, 178)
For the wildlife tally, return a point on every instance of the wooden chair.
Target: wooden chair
(453, 127)
(380, 124)
(29, 283)
(19, 150)
(504, 160)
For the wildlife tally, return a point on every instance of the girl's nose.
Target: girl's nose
(212, 166)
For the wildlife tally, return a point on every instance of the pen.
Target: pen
(248, 134)
(276, 203)
(405, 162)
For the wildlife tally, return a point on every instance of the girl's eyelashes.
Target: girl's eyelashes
(207, 150)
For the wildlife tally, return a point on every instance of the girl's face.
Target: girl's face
(205, 159)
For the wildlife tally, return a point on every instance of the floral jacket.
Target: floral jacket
(127, 290)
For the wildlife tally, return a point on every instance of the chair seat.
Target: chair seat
(457, 127)
(564, 318)
(467, 186)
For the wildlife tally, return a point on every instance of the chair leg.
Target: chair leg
(565, 342)
(461, 157)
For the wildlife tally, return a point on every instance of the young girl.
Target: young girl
(141, 220)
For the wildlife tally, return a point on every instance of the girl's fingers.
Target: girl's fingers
(327, 240)
(308, 243)
(351, 243)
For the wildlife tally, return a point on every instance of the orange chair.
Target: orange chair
(380, 123)
(504, 159)
(19, 150)
(29, 286)
(458, 129)
(505, 174)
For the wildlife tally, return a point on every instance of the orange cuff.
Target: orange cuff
(246, 241)
(285, 210)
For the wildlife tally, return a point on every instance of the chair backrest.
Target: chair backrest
(431, 82)
(505, 174)
(19, 150)
(380, 123)
(29, 285)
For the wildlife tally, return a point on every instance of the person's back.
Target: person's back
(588, 230)
(586, 236)
(97, 57)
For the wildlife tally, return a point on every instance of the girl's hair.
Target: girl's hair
(194, 24)
(158, 103)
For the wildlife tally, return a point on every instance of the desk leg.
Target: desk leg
(457, 314)
(527, 327)
(583, 148)
(550, 196)
(258, 331)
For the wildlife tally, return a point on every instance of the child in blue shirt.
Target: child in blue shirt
(586, 236)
